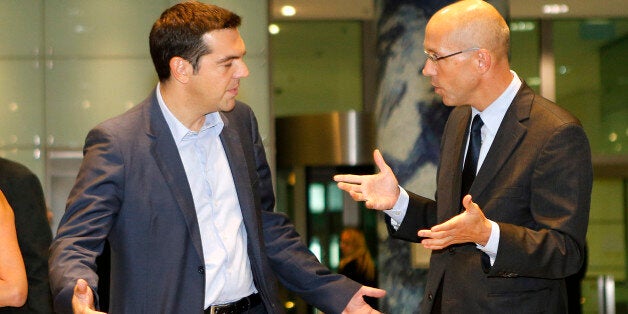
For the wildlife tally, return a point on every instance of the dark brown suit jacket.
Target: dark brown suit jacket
(24, 193)
(536, 184)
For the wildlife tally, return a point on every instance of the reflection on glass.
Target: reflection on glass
(591, 67)
(524, 47)
(316, 198)
(334, 197)
(334, 251)
(315, 247)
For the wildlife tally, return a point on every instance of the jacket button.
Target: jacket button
(430, 297)
(201, 270)
(452, 251)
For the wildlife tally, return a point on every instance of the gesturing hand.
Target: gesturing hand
(469, 226)
(358, 305)
(378, 191)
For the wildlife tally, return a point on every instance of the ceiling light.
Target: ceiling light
(273, 29)
(522, 26)
(288, 10)
(555, 8)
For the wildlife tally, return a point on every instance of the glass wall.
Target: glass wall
(591, 81)
(66, 65)
(592, 78)
(316, 67)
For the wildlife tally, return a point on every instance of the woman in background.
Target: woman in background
(13, 284)
(356, 262)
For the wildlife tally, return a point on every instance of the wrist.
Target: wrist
(486, 232)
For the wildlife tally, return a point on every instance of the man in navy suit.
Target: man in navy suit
(180, 188)
(510, 216)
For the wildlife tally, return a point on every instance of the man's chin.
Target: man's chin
(228, 105)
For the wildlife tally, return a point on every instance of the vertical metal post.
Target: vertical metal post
(606, 294)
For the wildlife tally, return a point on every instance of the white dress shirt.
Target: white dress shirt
(228, 275)
(492, 117)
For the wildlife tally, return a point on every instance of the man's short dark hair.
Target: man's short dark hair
(179, 32)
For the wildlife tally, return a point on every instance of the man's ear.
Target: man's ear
(180, 69)
(484, 60)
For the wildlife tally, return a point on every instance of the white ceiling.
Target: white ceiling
(365, 9)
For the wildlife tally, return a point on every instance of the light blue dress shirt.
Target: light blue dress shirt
(228, 275)
(492, 117)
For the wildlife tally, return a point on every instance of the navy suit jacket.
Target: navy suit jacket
(536, 184)
(132, 190)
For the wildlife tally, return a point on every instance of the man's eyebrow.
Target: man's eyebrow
(229, 58)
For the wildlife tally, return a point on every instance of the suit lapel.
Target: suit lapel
(508, 137)
(166, 155)
(459, 120)
(240, 169)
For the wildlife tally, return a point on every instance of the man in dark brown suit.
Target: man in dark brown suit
(508, 225)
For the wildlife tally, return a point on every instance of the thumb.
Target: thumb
(373, 292)
(467, 203)
(82, 292)
(379, 160)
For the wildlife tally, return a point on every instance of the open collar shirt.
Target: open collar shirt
(227, 269)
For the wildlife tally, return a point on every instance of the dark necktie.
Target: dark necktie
(473, 153)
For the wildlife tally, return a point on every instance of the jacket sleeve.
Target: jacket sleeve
(421, 214)
(91, 207)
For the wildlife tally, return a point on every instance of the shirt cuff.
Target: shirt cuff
(398, 212)
(493, 243)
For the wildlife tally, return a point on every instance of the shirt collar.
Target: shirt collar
(213, 121)
(493, 115)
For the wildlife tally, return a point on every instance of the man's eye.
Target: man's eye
(228, 65)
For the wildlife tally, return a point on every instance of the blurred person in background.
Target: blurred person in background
(13, 284)
(25, 195)
(356, 262)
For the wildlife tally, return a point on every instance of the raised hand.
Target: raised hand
(469, 226)
(378, 191)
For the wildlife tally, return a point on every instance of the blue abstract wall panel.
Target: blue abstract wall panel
(410, 122)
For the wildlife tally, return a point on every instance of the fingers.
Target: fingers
(373, 292)
(357, 196)
(348, 178)
(436, 240)
(348, 187)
